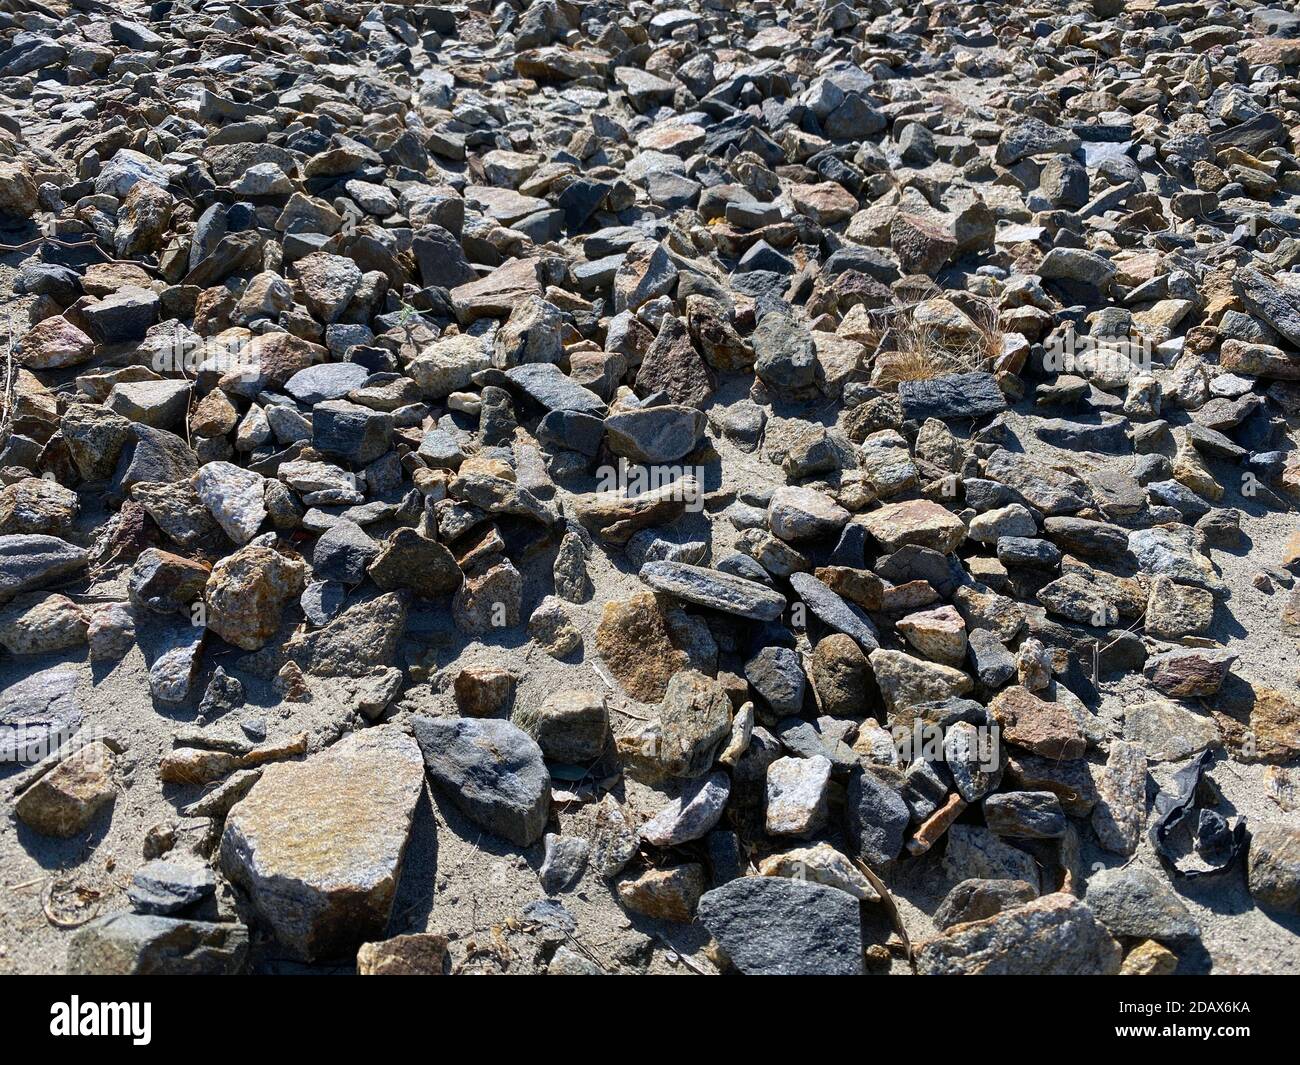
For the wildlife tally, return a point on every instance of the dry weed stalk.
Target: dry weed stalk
(906, 350)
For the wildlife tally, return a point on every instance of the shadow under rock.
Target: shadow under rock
(417, 885)
(51, 852)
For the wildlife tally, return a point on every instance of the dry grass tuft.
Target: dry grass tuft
(907, 350)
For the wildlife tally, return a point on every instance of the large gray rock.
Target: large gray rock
(1273, 867)
(1056, 935)
(958, 395)
(1134, 902)
(833, 611)
(776, 926)
(877, 818)
(29, 561)
(714, 589)
(318, 845)
(38, 715)
(492, 770)
(692, 814)
(132, 944)
(655, 434)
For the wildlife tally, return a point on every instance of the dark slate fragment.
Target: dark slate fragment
(492, 770)
(958, 395)
(775, 926)
(834, 612)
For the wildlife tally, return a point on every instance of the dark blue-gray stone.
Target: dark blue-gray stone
(325, 380)
(775, 926)
(877, 818)
(548, 386)
(956, 395)
(834, 612)
(492, 770)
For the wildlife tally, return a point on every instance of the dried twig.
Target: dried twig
(890, 906)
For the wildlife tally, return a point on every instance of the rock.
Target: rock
(38, 714)
(1189, 674)
(110, 632)
(671, 365)
(692, 815)
(418, 954)
(917, 522)
(489, 601)
(235, 498)
(40, 624)
(1149, 958)
(481, 691)
(797, 795)
(54, 344)
(694, 720)
(1046, 728)
(1121, 811)
(408, 560)
(1175, 610)
(655, 434)
(1273, 866)
(1056, 934)
(246, 593)
(350, 432)
(30, 561)
(776, 674)
(64, 801)
(565, 860)
(670, 894)
(804, 514)
(167, 886)
(839, 675)
(342, 553)
(448, 365)
(326, 380)
(906, 681)
(172, 672)
(1132, 902)
(95, 437)
(548, 386)
(166, 583)
(633, 641)
(976, 900)
(130, 944)
(571, 725)
(365, 635)
(938, 634)
(922, 246)
(550, 626)
(820, 864)
(1168, 732)
(492, 770)
(975, 853)
(318, 845)
(774, 926)
(1025, 815)
(714, 589)
(962, 395)
(162, 404)
(615, 516)
(877, 818)
(785, 355)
